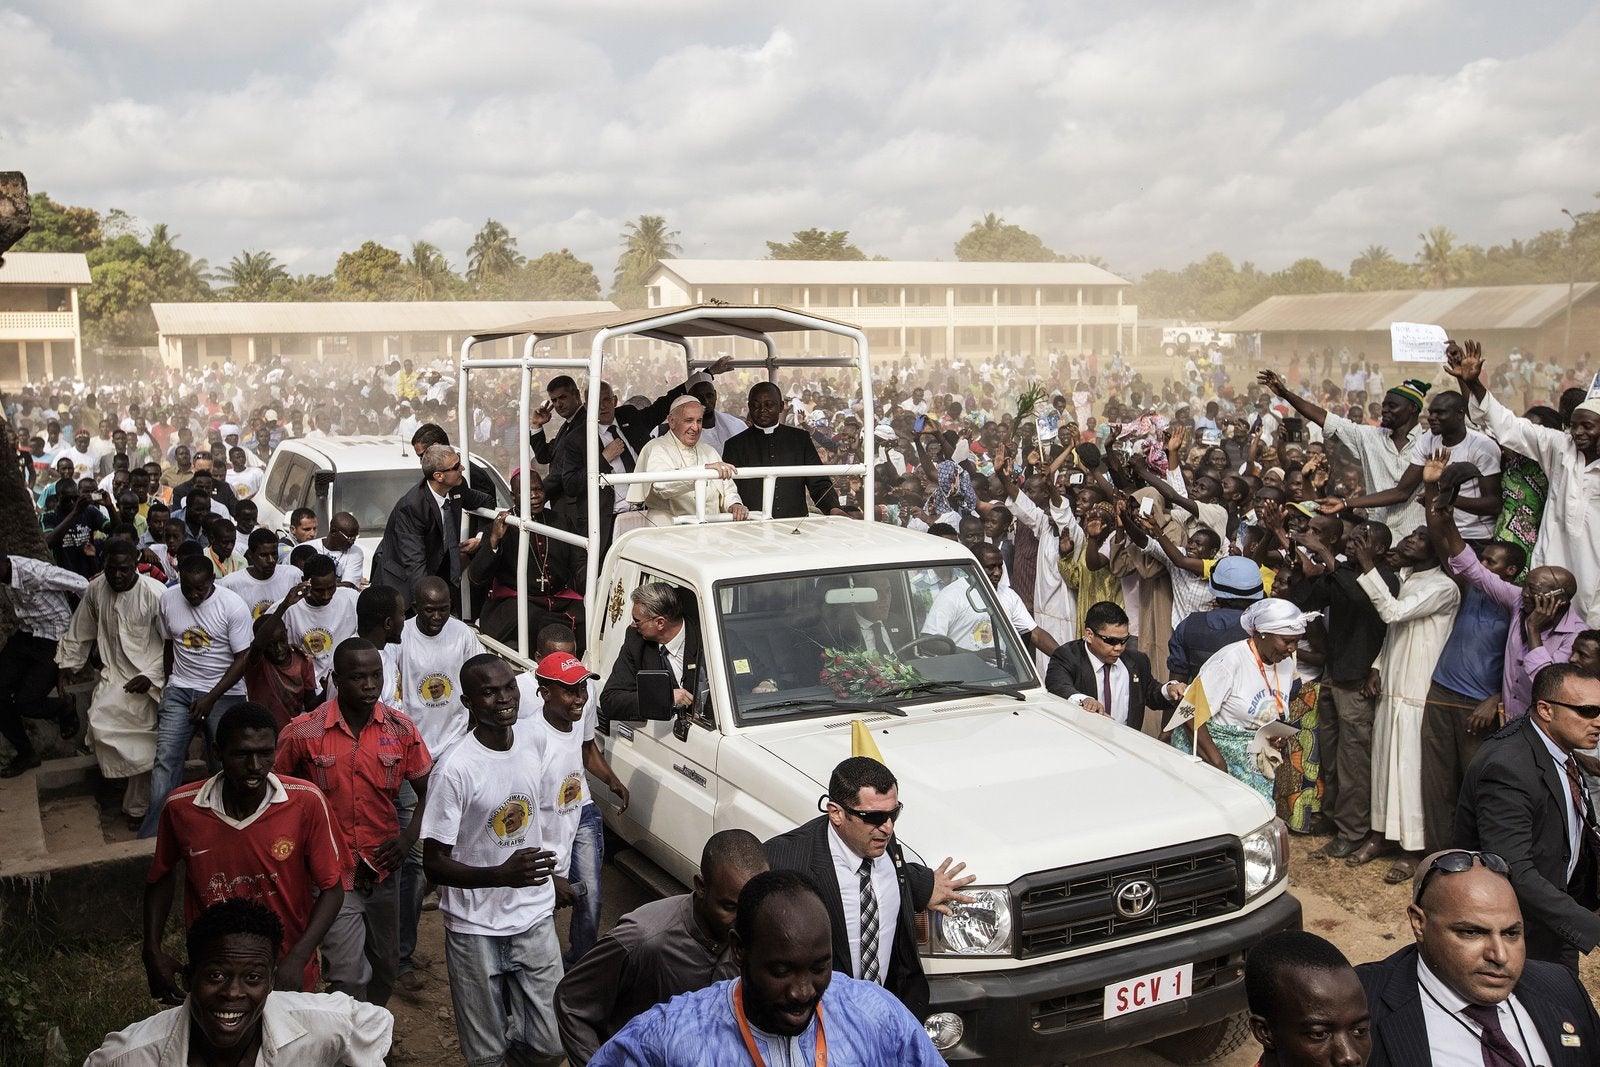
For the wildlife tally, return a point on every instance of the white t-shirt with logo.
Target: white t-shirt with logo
(430, 680)
(350, 565)
(246, 483)
(563, 786)
(205, 640)
(484, 805)
(318, 631)
(259, 595)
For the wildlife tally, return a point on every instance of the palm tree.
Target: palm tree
(252, 276)
(1371, 257)
(427, 274)
(493, 253)
(179, 276)
(646, 241)
(990, 223)
(1439, 261)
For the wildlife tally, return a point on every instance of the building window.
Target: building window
(652, 296)
(58, 299)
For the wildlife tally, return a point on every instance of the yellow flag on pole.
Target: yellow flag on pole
(861, 742)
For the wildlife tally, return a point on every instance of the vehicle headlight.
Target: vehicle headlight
(1266, 858)
(945, 1029)
(981, 928)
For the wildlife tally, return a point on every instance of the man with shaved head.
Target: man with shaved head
(1465, 992)
(340, 546)
(768, 443)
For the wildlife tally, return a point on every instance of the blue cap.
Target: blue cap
(1236, 578)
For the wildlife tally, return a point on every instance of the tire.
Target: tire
(1204, 1044)
(1183, 338)
(1169, 349)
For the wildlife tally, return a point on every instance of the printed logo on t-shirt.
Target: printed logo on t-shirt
(259, 608)
(435, 690)
(195, 639)
(983, 634)
(316, 641)
(570, 795)
(282, 848)
(510, 821)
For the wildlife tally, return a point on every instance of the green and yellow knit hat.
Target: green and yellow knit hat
(1413, 390)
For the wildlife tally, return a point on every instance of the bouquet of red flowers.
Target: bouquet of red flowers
(857, 675)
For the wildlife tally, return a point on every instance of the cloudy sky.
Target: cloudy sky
(1148, 134)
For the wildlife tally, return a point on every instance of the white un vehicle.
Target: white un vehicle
(1120, 883)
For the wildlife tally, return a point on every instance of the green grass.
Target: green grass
(87, 990)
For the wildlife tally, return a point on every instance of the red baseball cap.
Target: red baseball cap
(563, 667)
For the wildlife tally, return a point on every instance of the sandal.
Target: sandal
(1366, 853)
(1402, 870)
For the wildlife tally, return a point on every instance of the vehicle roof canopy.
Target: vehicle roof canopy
(686, 320)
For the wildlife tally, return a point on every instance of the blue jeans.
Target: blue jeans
(588, 852)
(174, 731)
(413, 883)
(504, 991)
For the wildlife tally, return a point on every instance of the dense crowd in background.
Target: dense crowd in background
(1366, 590)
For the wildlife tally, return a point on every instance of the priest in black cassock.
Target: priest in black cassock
(768, 444)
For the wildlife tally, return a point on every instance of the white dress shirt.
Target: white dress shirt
(296, 1028)
(672, 649)
(847, 869)
(1574, 816)
(1453, 1037)
(1118, 708)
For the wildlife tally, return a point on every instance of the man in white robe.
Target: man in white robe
(682, 449)
(1039, 507)
(120, 613)
(1419, 617)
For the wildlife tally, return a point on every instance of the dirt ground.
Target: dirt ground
(1352, 907)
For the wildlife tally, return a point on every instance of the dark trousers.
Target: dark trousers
(1344, 737)
(27, 677)
(1447, 748)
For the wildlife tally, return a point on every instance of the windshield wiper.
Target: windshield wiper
(952, 687)
(820, 702)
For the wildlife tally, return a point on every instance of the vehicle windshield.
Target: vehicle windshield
(809, 645)
(370, 495)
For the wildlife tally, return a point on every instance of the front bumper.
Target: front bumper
(1052, 1013)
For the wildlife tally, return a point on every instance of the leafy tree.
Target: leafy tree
(816, 244)
(558, 276)
(646, 241)
(1376, 269)
(305, 287)
(180, 276)
(493, 254)
(1307, 276)
(371, 272)
(59, 228)
(1439, 260)
(427, 274)
(253, 276)
(994, 240)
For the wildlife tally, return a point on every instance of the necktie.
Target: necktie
(1589, 838)
(881, 635)
(1105, 688)
(869, 925)
(627, 453)
(1497, 1051)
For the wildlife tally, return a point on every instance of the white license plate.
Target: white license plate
(1148, 990)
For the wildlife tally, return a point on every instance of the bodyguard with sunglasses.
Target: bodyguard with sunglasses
(1524, 797)
(1465, 994)
(1099, 674)
(872, 892)
(423, 534)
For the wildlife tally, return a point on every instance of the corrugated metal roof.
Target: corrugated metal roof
(704, 320)
(44, 268)
(437, 316)
(882, 272)
(1490, 307)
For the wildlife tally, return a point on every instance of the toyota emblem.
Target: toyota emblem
(1135, 899)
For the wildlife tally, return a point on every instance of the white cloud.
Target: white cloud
(1149, 136)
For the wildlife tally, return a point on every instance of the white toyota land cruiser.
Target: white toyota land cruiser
(1119, 882)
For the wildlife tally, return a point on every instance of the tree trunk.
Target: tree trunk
(15, 211)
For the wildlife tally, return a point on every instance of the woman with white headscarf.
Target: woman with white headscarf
(1242, 688)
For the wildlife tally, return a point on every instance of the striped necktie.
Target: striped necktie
(869, 925)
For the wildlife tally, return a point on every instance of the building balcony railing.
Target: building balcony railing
(939, 315)
(38, 325)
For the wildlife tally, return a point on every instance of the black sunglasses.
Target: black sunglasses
(1458, 861)
(1114, 642)
(871, 818)
(1587, 711)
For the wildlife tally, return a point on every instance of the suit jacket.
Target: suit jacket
(418, 542)
(1549, 993)
(785, 446)
(841, 629)
(619, 697)
(566, 486)
(805, 849)
(1513, 802)
(1071, 672)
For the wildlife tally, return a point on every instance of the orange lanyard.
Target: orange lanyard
(1277, 694)
(749, 1038)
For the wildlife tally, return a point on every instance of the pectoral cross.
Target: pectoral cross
(544, 583)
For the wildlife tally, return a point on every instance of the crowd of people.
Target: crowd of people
(1374, 603)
